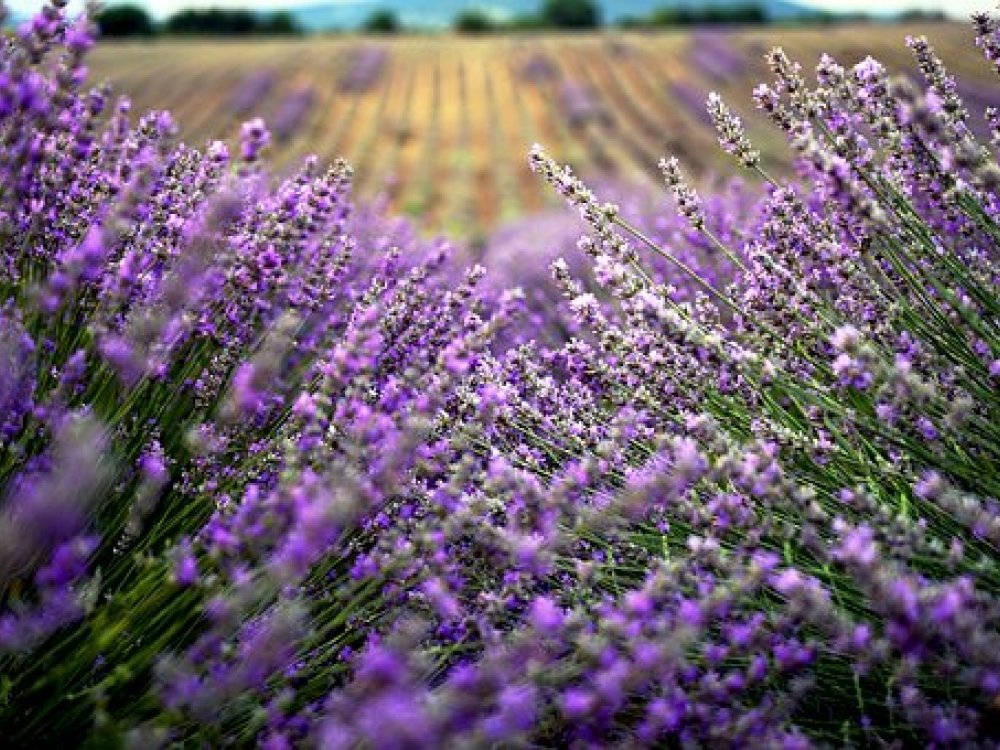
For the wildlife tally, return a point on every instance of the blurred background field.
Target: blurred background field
(440, 125)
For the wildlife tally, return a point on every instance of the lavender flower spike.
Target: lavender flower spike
(688, 202)
(732, 135)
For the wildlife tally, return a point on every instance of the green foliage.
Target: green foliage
(124, 21)
(689, 16)
(571, 14)
(382, 21)
(474, 21)
(917, 14)
(526, 22)
(281, 23)
(226, 22)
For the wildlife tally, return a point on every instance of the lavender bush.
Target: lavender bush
(711, 54)
(691, 97)
(580, 105)
(179, 337)
(251, 91)
(518, 253)
(270, 477)
(364, 68)
(538, 68)
(292, 113)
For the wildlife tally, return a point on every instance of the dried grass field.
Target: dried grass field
(441, 126)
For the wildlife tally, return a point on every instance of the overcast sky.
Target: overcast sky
(957, 8)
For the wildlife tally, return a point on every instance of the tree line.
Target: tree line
(132, 20)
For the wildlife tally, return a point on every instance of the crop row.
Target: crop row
(444, 134)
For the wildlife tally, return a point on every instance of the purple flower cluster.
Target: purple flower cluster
(276, 472)
(521, 253)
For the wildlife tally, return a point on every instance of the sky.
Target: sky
(161, 8)
(956, 8)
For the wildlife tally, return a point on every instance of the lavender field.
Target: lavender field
(439, 126)
(710, 464)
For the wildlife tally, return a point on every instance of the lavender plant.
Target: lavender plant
(851, 362)
(364, 68)
(538, 68)
(691, 97)
(712, 56)
(580, 105)
(292, 113)
(190, 349)
(272, 472)
(251, 91)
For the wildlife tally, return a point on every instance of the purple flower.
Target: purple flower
(254, 137)
(185, 564)
(545, 616)
(577, 703)
(858, 547)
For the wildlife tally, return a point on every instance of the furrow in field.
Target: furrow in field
(423, 148)
(643, 108)
(376, 140)
(205, 118)
(685, 96)
(341, 110)
(462, 217)
(354, 138)
(413, 140)
(599, 157)
(443, 186)
(541, 101)
(495, 129)
(322, 66)
(388, 169)
(521, 133)
(622, 127)
(669, 129)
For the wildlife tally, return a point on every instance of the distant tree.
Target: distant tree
(571, 14)
(526, 22)
(632, 22)
(281, 23)
(225, 22)
(382, 21)
(213, 22)
(923, 15)
(474, 21)
(124, 20)
(689, 16)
